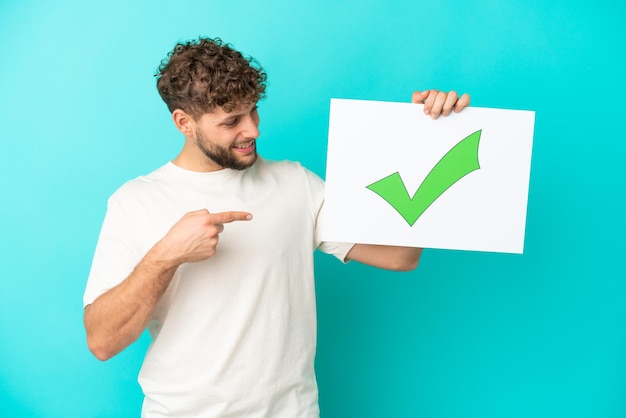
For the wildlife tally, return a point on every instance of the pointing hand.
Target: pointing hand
(196, 235)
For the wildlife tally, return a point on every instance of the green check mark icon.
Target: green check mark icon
(461, 160)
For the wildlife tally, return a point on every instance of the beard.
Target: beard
(224, 157)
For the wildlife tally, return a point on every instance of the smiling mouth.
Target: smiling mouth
(245, 147)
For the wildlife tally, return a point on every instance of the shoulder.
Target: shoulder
(292, 179)
(287, 170)
(140, 186)
(278, 166)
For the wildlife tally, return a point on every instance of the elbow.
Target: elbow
(408, 263)
(101, 355)
(413, 265)
(99, 343)
(105, 346)
(101, 346)
(99, 351)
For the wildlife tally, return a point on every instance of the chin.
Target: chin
(243, 164)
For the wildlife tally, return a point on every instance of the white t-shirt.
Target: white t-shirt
(234, 335)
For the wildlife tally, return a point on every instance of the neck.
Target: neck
(193, 160)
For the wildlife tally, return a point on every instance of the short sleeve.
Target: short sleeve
(116, 253)
(338, 249)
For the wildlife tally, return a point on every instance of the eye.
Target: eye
(232, 122)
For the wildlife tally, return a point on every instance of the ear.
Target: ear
(184, 122)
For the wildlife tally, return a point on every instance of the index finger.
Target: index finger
(228, 217)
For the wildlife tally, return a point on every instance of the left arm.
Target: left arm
(388, 257)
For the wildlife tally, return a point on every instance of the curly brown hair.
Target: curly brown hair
(198, 75)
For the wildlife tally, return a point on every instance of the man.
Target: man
(213, 253)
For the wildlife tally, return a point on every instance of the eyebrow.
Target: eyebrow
(232, 118)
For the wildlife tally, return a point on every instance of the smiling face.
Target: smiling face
(220, 139)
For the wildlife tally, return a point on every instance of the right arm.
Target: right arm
(118, 317)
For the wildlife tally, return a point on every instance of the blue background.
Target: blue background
(467, 334)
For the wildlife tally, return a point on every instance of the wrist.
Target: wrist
(160, 258)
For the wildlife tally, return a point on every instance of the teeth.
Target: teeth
(245, 145)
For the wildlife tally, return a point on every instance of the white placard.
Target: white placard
(464, 177)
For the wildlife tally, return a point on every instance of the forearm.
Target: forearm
(118, 317)
(386, 257)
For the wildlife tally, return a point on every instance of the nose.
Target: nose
(251, 127)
